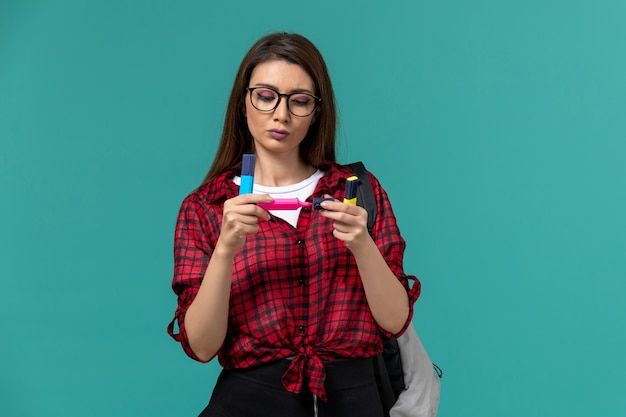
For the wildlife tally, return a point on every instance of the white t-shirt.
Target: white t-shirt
(301, 191)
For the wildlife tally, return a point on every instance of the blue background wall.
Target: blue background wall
(503, 120)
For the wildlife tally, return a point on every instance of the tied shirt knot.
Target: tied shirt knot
(306, 366)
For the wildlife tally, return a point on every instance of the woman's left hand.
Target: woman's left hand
(349, 222)
(386, 296)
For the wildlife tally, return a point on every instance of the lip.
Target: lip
(278, 133)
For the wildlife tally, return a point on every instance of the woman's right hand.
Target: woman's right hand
(206, 320)
(240, 217)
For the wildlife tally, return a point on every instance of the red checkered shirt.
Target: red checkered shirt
(296, 292)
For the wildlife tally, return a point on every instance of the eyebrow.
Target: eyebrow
(295, 90)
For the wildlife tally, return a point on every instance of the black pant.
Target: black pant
(259, 392)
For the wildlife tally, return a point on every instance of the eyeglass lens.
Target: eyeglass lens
(299, 104)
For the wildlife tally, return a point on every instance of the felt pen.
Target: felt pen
(352, 186)
(284, 204)
(318, 201)
(247, 173)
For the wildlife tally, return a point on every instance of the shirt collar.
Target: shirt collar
(222, 187)
(334, 178)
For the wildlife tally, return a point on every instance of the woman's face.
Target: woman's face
(279, 131)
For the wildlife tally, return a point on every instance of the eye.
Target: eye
(301, 100)
(265, 95)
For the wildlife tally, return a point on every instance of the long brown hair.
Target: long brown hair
(319, 143)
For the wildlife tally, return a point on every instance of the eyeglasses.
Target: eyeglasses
(266, 99)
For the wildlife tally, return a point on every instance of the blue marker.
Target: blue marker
(247, 173)
(319, 200)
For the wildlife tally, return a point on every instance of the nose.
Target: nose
(281, 112)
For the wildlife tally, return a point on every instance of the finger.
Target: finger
(252, 199)
(235, 231)
(252, 210)
(235, 205)
(346, 223)
(336, 205)
(341, 228)
(342, 215)
(333, 205)
(237, 219)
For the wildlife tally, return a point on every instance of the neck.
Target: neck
(278, 172)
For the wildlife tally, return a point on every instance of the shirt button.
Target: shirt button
(306, 209)
(301, 329)
(299, 242)
(301, 282)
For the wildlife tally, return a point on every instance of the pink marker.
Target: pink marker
(284, 204)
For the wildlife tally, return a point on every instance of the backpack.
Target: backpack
(407, 380)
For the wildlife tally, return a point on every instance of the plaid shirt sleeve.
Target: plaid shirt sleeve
(389, 241)
(192, 250)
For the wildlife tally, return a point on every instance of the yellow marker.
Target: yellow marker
(352, 186)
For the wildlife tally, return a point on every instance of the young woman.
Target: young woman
(294, 303)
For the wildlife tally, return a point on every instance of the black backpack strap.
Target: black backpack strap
(391, 354)
(365, 195)
(385, 390)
